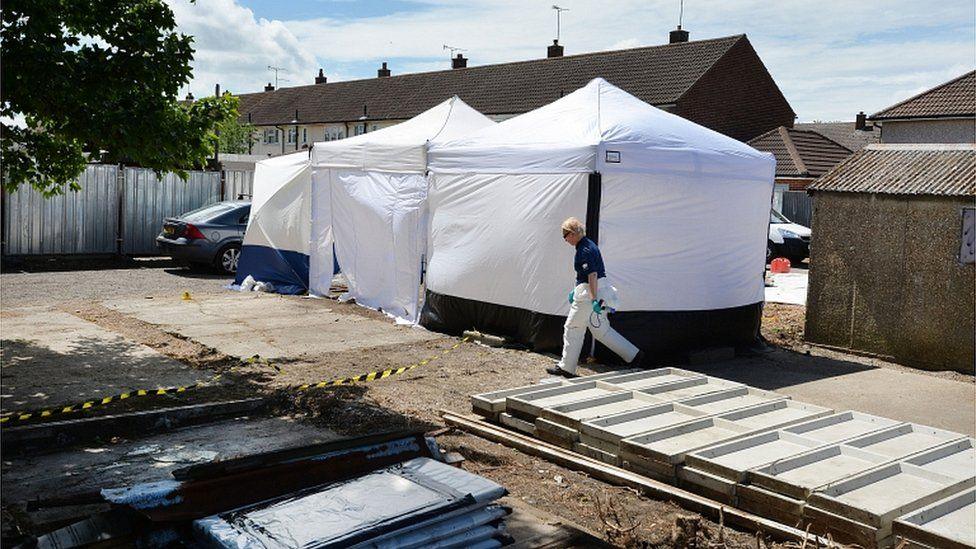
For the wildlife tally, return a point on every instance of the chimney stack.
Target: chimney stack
(459, 62)
(383, 72)
(861, 122)
(678, 35)
(555, 50)
(269, 87)
(189, 96)
(321, 79)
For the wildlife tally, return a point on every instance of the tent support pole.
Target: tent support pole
(593, 195)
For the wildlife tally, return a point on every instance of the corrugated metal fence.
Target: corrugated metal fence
(116, 210)
(238, 184)
(798, 207)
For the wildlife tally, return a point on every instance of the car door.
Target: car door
(242, 220)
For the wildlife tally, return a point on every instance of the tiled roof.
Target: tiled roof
(843, 133)
(916, 169)
(800, 153)
(659, 75)
(955, 98)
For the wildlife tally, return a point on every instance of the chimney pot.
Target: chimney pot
(459, 62)
(383, 72)
(555, 50)
(678, 35)
(269, 87)
(321, 79)
(189, 96)
(861, 121)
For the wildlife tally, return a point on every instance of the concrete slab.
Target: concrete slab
(955, 460)
(669, 445)
(945, 523)
(530, 405)
(733, 460)
(732, 399)
(846, 382)
(494, 402)
(573, 413)
(649, 378)
(841, 426)
(52, 358)
(607, 432)
(879, 496)
(689, 388)
(272, 326)
(903, 440)
(776, 414)
(800, 475)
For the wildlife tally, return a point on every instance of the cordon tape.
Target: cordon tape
(88, 405)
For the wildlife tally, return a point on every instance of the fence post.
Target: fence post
(120, 210)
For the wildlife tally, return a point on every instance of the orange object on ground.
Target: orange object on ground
(779, 265)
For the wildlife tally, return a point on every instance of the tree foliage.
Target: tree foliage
(98, 80)
(236, 137)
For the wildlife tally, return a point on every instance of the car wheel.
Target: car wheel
(769, 250)
(227, 258)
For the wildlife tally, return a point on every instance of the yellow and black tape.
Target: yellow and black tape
(88, 405)
(381, 374)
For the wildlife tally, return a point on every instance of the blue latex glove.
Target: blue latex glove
(572, 296)
(596, 307)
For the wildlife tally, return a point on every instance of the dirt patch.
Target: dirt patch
(782, 325)
(621, 515)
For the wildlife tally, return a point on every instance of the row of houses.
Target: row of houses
(719, 83)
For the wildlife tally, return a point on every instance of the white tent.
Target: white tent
(276, 243)
(680, 212)
(369, 196)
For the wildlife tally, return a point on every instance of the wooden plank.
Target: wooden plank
(615, 475)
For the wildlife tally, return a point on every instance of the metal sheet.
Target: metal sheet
(238, 184)
(77, 222)
(148, 200)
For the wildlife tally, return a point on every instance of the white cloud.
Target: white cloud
(234, 49)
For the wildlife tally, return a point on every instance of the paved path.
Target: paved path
(54, 358)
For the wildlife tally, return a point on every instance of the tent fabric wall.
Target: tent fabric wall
(682, 222)
(276, 243)
(370, 199)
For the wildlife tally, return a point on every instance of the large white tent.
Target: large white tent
(680, 213)
(363, 197)
(370, 193)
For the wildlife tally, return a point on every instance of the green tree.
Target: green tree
(236, 137)
(99, 81)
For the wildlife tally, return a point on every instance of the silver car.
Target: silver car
(211, 235)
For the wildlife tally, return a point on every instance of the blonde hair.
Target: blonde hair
(574, 225)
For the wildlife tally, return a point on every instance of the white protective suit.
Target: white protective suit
(581, 317)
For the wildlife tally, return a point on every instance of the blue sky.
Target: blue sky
(831, 58)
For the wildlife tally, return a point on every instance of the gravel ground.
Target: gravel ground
(41, 284)
(411, 399)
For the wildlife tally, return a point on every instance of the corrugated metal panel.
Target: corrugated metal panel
(238, 184)
(77, 222)
(947, 170)
(797, 207)
(148, 200)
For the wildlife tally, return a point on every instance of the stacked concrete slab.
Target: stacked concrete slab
(865, 479)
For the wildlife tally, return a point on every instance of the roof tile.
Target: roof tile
(955, 98)
(914, 169)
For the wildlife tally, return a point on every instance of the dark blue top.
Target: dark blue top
(588, 260)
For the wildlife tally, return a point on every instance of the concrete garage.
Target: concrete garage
(892, 267)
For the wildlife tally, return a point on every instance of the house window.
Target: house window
(360, 129)
(304, 135)
(372, 128)
(271, 135)
(342, 134)
(292, 135)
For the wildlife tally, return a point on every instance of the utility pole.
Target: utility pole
(559, 11)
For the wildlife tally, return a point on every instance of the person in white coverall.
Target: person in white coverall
(585, 310)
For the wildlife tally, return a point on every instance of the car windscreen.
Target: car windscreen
(776, 217)
(207, 213)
